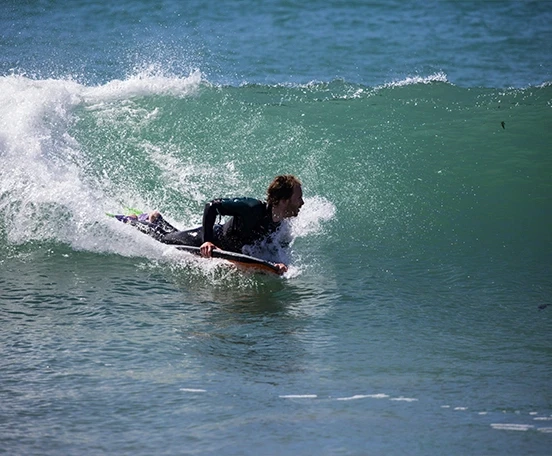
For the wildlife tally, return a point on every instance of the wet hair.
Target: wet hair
(281, 188)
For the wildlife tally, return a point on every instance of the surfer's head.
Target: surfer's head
(286, 194)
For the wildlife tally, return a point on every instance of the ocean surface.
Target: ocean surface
(416, 316)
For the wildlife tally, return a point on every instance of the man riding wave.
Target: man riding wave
(251, 220)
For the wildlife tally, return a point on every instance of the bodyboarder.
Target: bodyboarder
(251, 220)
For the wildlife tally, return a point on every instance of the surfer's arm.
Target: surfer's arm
(210, 212)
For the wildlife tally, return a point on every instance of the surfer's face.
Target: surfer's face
(293, 205)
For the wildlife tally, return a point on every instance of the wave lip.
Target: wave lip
(414, 80)
(145, 83)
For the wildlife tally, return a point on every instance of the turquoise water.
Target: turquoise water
(416, 315)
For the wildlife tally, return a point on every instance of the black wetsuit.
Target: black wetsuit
(250, 222)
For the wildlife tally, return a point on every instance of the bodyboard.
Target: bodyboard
(245, 262)
(241, 261)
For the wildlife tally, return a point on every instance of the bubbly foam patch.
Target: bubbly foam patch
(413, 80)
(511, 427)
(363, 396)
(312, 216)
(148, 82)
(193, 390)
(46, 190)
(484, 417)
(299, 396)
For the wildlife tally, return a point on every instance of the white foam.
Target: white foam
(403, 399)
(148, 82)
(412, 80)
(511, 427)
(193, 390)
(362, 396)
(298, 396)
(313, 214)
(49, 192)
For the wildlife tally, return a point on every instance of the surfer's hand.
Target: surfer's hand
(282, 268)
(206, 249)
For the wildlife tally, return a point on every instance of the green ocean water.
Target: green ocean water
(416, 314)
(421, 167)
(417, 295)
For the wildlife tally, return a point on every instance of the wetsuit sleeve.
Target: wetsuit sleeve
(210, 213)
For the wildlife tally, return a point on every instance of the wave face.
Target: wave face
(420, 167)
